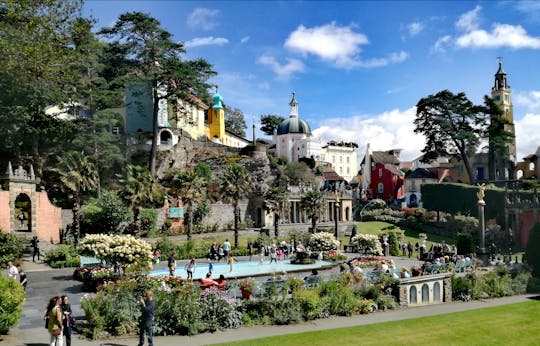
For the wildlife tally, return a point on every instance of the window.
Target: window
(348, 171)
(115, 130)
(506, 98)
(333, 158)
(380, 188)
(341, 159)
(413, 185)
(380, 172)
(347, 159)
(531, 166)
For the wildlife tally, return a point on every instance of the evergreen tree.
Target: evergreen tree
(276, 202)
(270, 122)
(313, 203)
(236, 184)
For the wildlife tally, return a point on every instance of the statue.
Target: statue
(481, 192)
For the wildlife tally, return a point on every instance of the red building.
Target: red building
(381, 176)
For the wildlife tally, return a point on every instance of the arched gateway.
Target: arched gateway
(25, 210)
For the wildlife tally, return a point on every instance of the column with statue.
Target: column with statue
(482, 223)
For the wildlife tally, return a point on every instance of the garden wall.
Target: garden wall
(5, 216)
(425, 290)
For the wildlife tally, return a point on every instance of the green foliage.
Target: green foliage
(235, 121)
(461, 287)
(497, 283)
(461, 199)
(393, 243)
(11, 301)
(11, 248)
(313, 307)
(465, 244)
(63, 256)
(149, 221)
(298, 173)
(270, 122)
(338, 298)
(104, 214)
(532, 253)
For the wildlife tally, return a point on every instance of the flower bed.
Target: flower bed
(372, 261)
(368, 244)
(323, 241)
(333, 256)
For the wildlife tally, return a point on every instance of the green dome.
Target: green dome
(293, 125)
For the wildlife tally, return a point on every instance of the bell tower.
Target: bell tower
(501, 94)
(216, 118)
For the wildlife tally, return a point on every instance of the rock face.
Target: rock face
(188, 153)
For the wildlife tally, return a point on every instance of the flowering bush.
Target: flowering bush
(333, 256)
(124, 249)
(323, 241)
(219, 310)
(248, 284)
(368, 244)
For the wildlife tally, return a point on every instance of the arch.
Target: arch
(519, 174)
(165, 137)
(23, 213)
(437, 292)
(347, 214)
(413, 295)
(531, 166)
(413, 198)
(425, 294)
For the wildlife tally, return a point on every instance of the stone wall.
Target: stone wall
(5, 215)
(48, 218)
(67, 218)
(428, 289)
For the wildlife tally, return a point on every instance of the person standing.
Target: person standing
(226, 249)
(35, 246)
(54, 322)
(23, 279)
(190, 268)
(68, 319)
(231, 263)
(12, 271)
(147, 318)
(210, 266)
(250, 249)
(171, 263)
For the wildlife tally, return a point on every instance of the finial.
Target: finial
(500, 60)
(32, 175)
(10, 169)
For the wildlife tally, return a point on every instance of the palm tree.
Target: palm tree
(190, 188)
(313, 203)
(236, 184)
(140, 188)
(276, 202)
(77, 174)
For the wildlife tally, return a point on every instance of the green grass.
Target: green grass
(515, 324)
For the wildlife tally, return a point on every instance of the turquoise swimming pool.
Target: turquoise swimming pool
(245, 268)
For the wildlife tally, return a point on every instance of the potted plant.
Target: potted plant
(246, 287)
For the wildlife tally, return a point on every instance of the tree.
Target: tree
(153, 58)
(37, 50)
(452, 126)
(140, 189)
(532, 254)
(188, 187)
(276, 201)
(235, 121)
(270, 122)
(298, 173)
(235, 185)
(77, 174)
(498, 137)
(313, 203)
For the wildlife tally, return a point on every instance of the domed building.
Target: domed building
(293, 137)
(293, 141)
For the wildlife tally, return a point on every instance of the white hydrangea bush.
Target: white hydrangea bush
(323, 241)
(368, 244)
(124, 249)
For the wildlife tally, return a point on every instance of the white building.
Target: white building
(293, 142)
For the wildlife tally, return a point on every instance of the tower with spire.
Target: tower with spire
(216, 119)
(501, 94)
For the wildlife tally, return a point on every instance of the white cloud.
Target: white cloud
(531, 9)
(527, 134)
(282, 71)
(206, 41)
(339, 45)
(441, 44)
(389, 130)
(330, 42)
(415, 28)
(244, 39)
(501, 35)
(469, 20)
(203, 18)
(530, 100)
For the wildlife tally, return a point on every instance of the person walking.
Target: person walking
(67, 319)
(35, 246)
(171, 263)
(11, 271)
(250, 249)
(231, 263)
(226, 249)
(147, 318)
(23, 279)
(54, 322)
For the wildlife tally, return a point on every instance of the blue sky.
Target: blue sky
(358, 68)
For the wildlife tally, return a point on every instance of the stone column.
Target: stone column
(447, 289)
(482, 226)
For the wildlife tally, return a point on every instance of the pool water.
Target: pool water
(244, 269)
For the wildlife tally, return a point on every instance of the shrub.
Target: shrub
(461, 286)
(219, 310)
(465, 244)
(386, 302)
(338, 298)
(393, 243)
(323, 241)
(178, 312)
(149, 221)
(105, 213)
(368, 244)
(312, 305)
(532, 253)
(63, 256)
(11, 248)
(124, 249)
(11, 300)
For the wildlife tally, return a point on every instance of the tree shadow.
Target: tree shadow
(63, 277)
(36, 344)
(110, 344)
(535, 298)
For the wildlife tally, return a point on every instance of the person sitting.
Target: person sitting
(156, 257)
(208, 282)
(405, 273)
(384, 266)
(221, 282)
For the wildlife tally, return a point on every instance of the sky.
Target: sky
(358, 67)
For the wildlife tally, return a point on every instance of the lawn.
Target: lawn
(515, 324)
